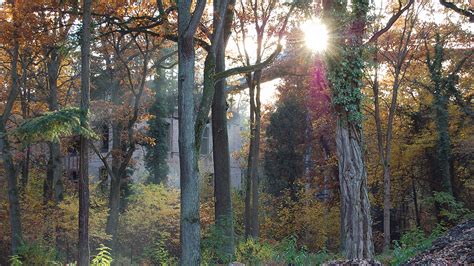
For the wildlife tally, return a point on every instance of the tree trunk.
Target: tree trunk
(114, 209)
(249, 184)
(53, 185)
(25, 98)
(308, 151)
(356, 222)
(115, 175)
(252, 178)
(25, 167)
(384, 155)
(415, 202)
(248, 191)
(355, 207)
(13, 200)
(443, 147)
(10, 169)
(84, 148)
(386, 206)
(255, 158)
(189, 178)
(220, 141)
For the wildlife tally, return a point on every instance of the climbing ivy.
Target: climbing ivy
(345, 67)
(345, 76)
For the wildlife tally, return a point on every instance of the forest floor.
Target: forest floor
(455, 247)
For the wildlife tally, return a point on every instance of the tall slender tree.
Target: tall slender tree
(398, 59)
(220, 138)
(189, 179)
(5, 146)
(84, 148)
(443, 86)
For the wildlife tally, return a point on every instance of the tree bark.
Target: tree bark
(355, 207)
(189, 178)
(252, 178)
(13, 199)
(220, 141)
(415, 202)
(255, 158)
(84, 148)
(116, 177)
(115, 174)
(24, 92)
(53, 184)
(9, 165)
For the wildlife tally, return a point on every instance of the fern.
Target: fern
(103, 257)
(15, 260)
(51, 126)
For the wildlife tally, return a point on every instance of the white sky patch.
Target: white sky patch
(269, 93)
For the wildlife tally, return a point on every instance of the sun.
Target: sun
(316, 35)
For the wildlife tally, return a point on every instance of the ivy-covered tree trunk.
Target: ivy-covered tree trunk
(443, 86)
(345, 76)
(443, 146)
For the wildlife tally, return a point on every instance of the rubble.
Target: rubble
(455, 247)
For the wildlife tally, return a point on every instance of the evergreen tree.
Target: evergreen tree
(161, 109)
(284, 162)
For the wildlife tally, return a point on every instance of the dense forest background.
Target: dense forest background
(365, 151)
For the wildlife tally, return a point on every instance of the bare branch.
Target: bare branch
(467, 13)
(248, 69)
(390, 22)
(195, 18)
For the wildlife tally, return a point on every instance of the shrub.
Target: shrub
(34, 254)
(152, 215)
(414, 242)
(451, 211)
(288, 252)
(158, 254)
(212, 245)
(253, 252)
(321, 257)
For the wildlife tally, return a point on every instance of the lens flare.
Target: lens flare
(316, 35)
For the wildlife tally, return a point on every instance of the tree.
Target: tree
(189, 178)
(161, 109)
(54, 55)
(84, 144)
(397, 58)
(345, 72)
(345, 77)
(10, 168)
(284, 154)
(262, 14)
(220, 139)
(442, 87)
